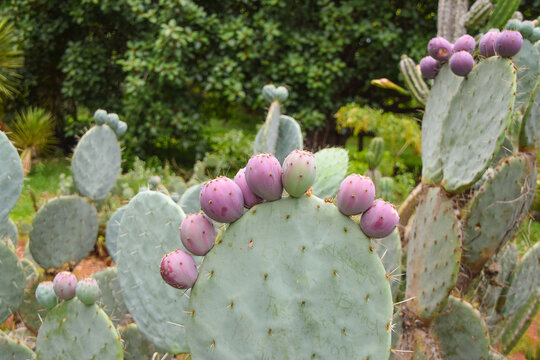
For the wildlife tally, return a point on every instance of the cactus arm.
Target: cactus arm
(478, 13)
(502, 12)
(407, 209)
(450, 18)
(267, 137)
(413, 79)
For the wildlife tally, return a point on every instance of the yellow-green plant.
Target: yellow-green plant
(11, 60)
(33, 133)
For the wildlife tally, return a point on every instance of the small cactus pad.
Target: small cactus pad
(434, 252)
(516, 325)
(444, 88)
(491, 215)
(267, 137)
(111, 300)
(111, 232)
(479, 113)
(461, 332)
(96, 162)
(136, 347)
(12, 281)
(389, 249)
(527, 62)
(11, 176)
(11, 349)
(149, 230)
(525, 282)
(30, 311)
(73, 330)
(289, 138)
(530, 130)
(332, 164)
(264, 295)
(8, 231)
(189, 201)
(64, 229)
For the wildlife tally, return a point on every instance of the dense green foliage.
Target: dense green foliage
(160, 64)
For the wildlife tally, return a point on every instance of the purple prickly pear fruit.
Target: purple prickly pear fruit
(222, 200)
(263, 176)
(179, 270)
(197, 234)
(250, 199)
(461, 63)
(508, 43)
(440, 49)
(465, 43)
(64, 285)
(379, 220)
(299, 170)
(88, 291)
(355, 195)
(429, 67)
(486, 46)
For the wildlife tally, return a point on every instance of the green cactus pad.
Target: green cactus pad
(476, 122)
(73, 330)
(389, 249)
(530, 128)
(30, 311)
(267, 137)
(136, 347)
(433, 254)
(527, 62)
(11, 349)
(517, 324)
(461, 332)
(64, 229)
(111, 232)
(11, 176)
(8, 231)
(332, 164)
(96, 162)
(290, 137)
(446, 85)
(148, 231)
(525, 282)
(491, 216)
(189, 202)
(316, 290)
(12, 281)
(112, 301)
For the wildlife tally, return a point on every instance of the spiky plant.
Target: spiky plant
(11, 59)
(33, 133)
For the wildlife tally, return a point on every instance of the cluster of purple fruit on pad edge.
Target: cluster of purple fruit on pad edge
(64, 287)
(263, 179)
(460, 54)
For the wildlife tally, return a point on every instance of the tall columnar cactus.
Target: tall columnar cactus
(479, 177)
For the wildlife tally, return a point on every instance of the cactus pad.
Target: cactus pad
(65, 229)
(73, 330)
(517, 324)
(149, 230)
(527, 62)
(389, 249)
(433, 254)
(445, 87)
(11, 349)
(96, 162)
(332, 164)
(491, 215)
(289, 138)
(530, 130)
(136, 347)
(189, 202)
(30, 311)
(461, 332)
(12, 281)
(525, 282)
(282, 295)
(11, 176)
(476, 122)
(111, 233)
(267, 137)
(112, 301)
(8, 231)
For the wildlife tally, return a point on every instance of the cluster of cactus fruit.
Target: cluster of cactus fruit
(263, 179)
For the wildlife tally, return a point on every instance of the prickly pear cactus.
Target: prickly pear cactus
(73, 330)
(271, 295)
(149, 230)
(111, 233)
(11, 178)
(112, 301)
(11, 349)
(12, 281)
(64, 230)
(332, 164)
(96, 162)
(8, 231)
